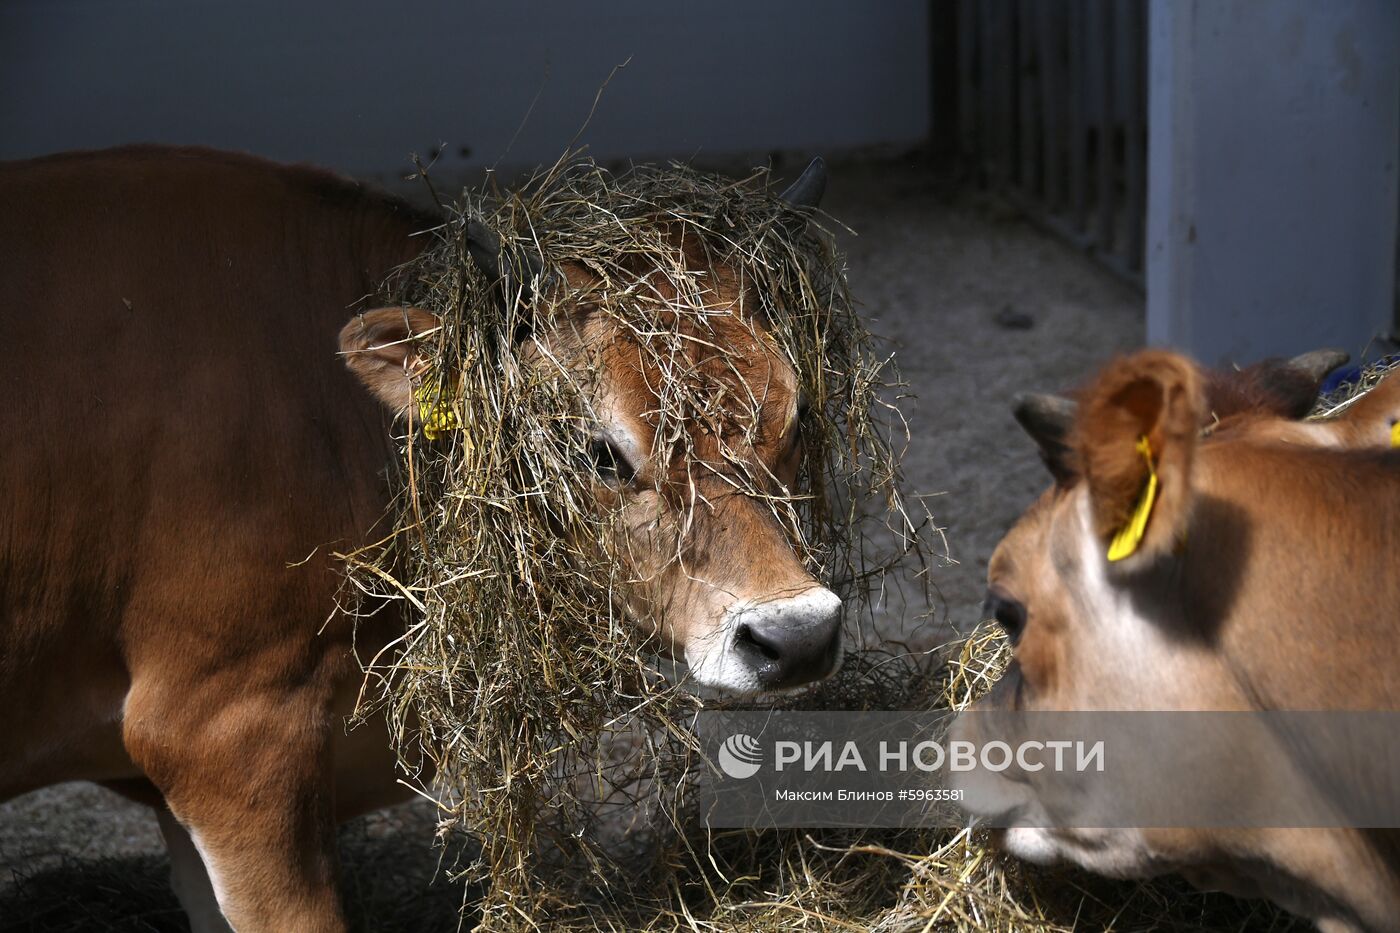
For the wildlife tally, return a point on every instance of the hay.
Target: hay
(888, 880)
(770, 881)
(559, 746)
(1362, 379)
(541, 710)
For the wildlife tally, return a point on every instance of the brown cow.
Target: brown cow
(1369, 420)
(184, 448)
(1266, 579)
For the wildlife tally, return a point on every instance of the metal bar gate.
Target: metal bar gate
(1052, 110)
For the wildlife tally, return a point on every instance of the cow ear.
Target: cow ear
(381, 349)
(1136, 438)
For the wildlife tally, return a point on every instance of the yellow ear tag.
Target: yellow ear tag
(1125, 542)
(1395, 434)
(435, 412)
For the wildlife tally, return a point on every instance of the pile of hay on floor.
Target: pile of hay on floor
(541, 709)
(928, 879)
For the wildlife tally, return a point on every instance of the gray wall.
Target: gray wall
(1275, 129)
(358, 84)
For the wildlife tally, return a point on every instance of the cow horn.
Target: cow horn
(1319, 363)
(484, 247)
(1048, 419)
(806, 193)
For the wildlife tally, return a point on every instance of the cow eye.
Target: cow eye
(609, 463)
(796, 440)
(804, 409)
(1009, 613)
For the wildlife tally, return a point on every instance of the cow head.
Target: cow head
(1168, 568)
(1050, 582)
(686, 496)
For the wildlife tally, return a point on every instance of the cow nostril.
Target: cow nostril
(787, 643)
(746, 635)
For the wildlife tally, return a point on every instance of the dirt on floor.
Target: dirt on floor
(975, 303)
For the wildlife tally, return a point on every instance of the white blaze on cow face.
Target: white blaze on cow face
(1084, 644)
(707, 565)
(1082, 638)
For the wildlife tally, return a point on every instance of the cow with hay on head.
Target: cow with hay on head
(620, 415)
(647, 378)
(653, 417)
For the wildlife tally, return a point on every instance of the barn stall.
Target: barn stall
(1061, 227)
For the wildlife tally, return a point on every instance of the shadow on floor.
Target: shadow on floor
(391, 885)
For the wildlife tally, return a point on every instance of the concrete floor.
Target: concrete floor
(933, 269)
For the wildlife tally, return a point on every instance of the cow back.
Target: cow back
(183, 447)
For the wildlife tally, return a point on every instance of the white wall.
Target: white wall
(359, 84)
(1275, 129)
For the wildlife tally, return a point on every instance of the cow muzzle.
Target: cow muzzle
(774, 644)
(791, 642)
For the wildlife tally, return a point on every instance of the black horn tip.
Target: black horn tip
(1049, 419)
(485, 248)
(807, 191)
(1318, 363)
(480, 234)
(1037, 412)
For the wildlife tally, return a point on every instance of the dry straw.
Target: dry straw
(542, 712)
(1345, 395)
(557, 746)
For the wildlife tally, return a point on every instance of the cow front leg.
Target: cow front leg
(190, 878)
(247, 782)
